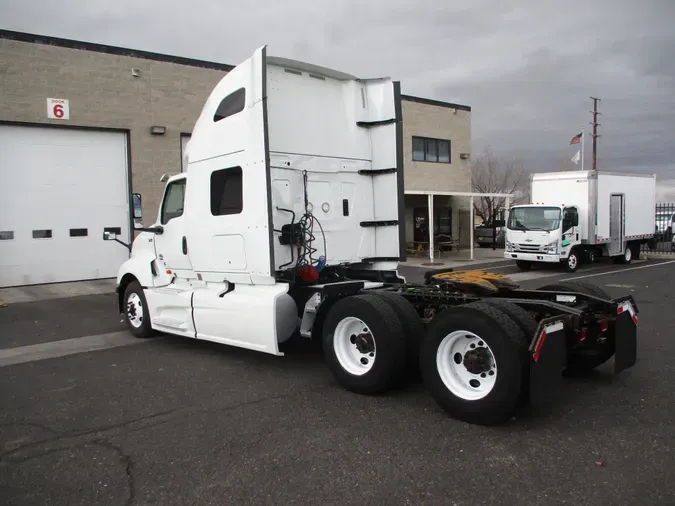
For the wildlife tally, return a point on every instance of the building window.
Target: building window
(431, 150)
(227, 192)
(231, 104)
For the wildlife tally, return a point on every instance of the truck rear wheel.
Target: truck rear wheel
(472, 363)
(528, 324)
(627, 256)
(136, 314)
(364, 344)
(412, 324)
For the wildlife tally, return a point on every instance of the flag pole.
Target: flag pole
(582, 149)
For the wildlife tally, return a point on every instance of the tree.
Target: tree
(491, 174)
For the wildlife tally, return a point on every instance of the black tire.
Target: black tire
(577, 286)
(635, 249)
(523, 265)
(572, 261)
(390, 344)
(585, 359)
(523, 318)
(145, 328)
(413, 327)
(626, 257)
(508, 345)
(590, 256)
(528, 324)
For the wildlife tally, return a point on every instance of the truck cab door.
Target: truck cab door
(570, 226)
(171, 245)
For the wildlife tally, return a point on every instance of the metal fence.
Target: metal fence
(665, 226)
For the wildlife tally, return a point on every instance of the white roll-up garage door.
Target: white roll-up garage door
(60, 188)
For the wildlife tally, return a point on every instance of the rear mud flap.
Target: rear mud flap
(625, 336)
(548, 352)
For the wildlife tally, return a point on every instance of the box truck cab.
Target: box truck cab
(580, 216)
(543, 233)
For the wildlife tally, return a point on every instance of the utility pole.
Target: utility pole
(595, 129)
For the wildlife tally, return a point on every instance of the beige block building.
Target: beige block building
(436, 153)
(100, 123)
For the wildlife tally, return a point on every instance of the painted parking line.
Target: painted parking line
(54, 349)
(617, 271)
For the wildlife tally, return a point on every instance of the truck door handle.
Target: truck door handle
(184, 246)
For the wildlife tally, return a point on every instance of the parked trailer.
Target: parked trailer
(580, 216)
(288, 223)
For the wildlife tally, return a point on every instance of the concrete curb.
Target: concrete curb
(657, 256)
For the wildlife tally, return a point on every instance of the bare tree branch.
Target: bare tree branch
(491, 174)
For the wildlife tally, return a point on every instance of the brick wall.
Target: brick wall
(104, 93)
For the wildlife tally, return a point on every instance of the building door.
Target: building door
(616, 234)
(421, 224)
(61, 189)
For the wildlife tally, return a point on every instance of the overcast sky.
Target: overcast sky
(526, 67)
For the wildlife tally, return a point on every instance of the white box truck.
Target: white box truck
(582, 215)
(288, 223)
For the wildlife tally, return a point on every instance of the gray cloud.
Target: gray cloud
(527, 68)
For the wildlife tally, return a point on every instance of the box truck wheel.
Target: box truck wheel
(364, 344)
(627, 256)
(572, 261)
(472, 363)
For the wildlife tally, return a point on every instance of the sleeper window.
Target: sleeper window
(226, 191)
(230, 105)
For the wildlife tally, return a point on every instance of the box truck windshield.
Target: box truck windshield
(534, 218)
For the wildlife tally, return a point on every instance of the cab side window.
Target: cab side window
(571, 218)
(172, 207)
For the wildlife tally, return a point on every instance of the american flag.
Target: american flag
(576, 139)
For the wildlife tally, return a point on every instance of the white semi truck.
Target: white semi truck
(579, 216)
(288, 223)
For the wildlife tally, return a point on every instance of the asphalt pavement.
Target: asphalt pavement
(176, 421)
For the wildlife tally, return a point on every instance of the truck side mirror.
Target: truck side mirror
(109, 236)
(138, 209)
(575, 220)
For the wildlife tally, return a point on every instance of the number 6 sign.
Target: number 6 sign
(58, 108)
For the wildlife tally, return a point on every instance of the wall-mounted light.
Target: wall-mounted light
(157, 130)
(136, 72)
(464, 156)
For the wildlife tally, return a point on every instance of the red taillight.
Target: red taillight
(540, 345)
(604, 326)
